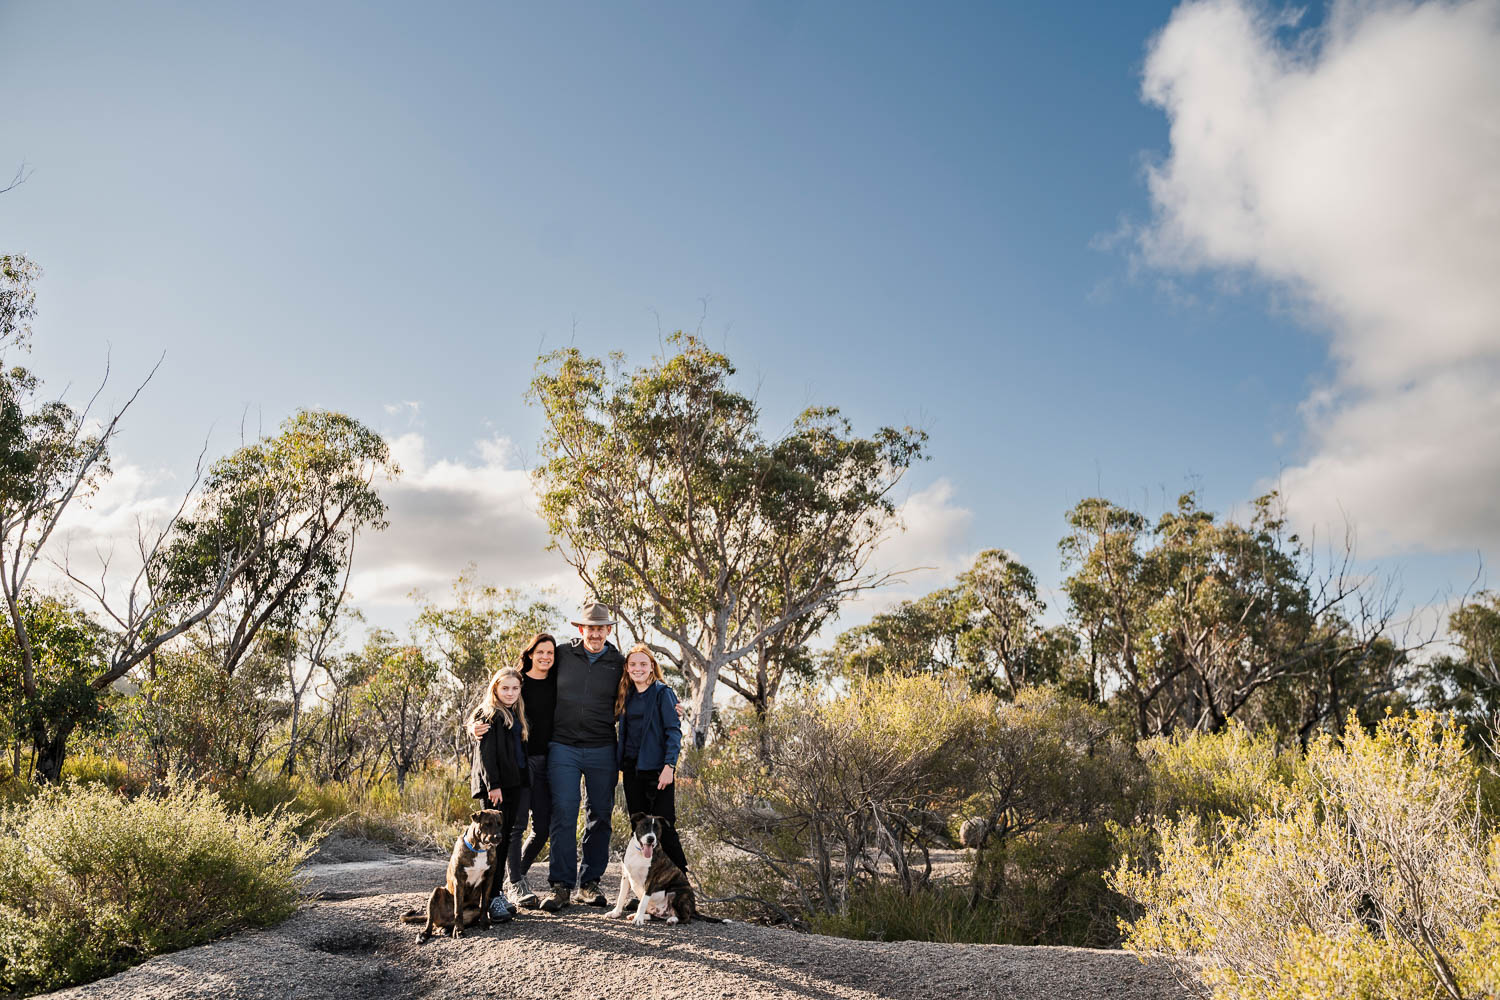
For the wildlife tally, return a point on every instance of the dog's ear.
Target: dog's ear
(474, 817)
(636, 818)
(663, 821)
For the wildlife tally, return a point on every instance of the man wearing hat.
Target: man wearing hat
(582, 750)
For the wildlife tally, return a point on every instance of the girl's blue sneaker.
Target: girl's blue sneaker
(501, 910)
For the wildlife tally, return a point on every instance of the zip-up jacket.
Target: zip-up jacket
(661, 729)
(585, 713)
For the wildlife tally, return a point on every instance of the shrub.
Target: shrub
(1370, 875)
(836, 793)
(832, 812)
(92, 882)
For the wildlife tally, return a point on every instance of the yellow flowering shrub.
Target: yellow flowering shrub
(1371, 875)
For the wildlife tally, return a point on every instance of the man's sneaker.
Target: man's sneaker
(589, 895)
(500, 911)
(557, 898)
(520, 894)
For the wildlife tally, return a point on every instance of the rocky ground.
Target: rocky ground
(348, 943)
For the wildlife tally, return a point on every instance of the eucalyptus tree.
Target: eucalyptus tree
(51, 455)
(661, 491)
(402, 693)
(919, 636)
(1465, 681)
(1196, 620)
(270, 534)
(273, 530)
(67, 651)
(476, 629)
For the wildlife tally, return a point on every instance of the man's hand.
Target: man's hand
(477, 729)
(494, 792)
(666, 778)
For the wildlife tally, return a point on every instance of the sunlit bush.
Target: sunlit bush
(833, 811)
(1371, 874)
(92, 882)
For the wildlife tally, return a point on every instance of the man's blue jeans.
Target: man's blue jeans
(566, 765)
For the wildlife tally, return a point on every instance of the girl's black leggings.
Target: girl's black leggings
(642, 795)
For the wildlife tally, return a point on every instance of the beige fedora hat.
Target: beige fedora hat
(595, 614)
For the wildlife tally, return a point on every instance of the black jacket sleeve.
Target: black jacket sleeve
(495, 764)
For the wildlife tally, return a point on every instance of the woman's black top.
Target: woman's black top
(541, 704)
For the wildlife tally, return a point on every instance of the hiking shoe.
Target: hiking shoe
(589, 895)
(500, 910)
(520, 894)
(557, 898)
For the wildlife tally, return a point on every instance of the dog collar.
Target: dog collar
(470, 846)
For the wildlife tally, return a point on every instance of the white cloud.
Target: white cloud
(442, 516)
(446, 514)
(1358, 167)
(99, 538)
(928, 554)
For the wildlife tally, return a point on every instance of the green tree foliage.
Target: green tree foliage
(190, 717)
(915, 637)
(1369, 875)
(1196, 621)
(67, 654)
(988, 625)
(1467, 685)
(660, 489)
(406, 701)
(479, 628)
(48, 458)
(274, 530)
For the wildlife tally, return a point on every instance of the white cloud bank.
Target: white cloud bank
(1358, 167)
(448, 513)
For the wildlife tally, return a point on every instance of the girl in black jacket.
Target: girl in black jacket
(499, 770)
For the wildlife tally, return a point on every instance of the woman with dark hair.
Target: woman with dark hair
(650, 737)
(539, 689)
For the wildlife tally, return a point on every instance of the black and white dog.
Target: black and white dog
(652, 877)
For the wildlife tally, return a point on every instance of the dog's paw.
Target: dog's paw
(456, 933)
(615, 914)
(640, 918)
(672, 919)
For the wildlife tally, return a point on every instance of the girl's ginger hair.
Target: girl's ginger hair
(625, 681)
(492, 702)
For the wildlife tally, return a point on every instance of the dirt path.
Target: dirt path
(348, 944)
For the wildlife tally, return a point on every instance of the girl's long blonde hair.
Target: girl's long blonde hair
(625, 681)
(492, 701)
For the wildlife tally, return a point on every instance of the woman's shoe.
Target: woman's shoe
(521, 895)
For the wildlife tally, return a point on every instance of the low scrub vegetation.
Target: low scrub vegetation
(92, 882)
(1371, 871)
(835, 808)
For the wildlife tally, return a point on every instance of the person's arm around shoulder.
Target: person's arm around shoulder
(478, 724)
(671, 729)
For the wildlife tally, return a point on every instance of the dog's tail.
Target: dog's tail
(414, 916)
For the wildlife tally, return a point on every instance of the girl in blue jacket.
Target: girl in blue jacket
(649, 739)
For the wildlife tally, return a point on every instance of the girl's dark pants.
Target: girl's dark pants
(642, 796)
(510, 805)
(535, 801)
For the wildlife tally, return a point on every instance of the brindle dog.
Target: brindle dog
(662, 888)
(465, 899)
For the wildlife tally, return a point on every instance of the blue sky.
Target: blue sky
(944, 215)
